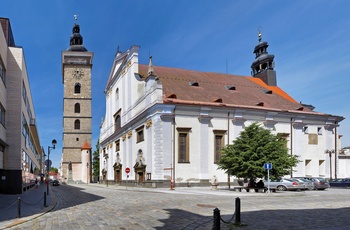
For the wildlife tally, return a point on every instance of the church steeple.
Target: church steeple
(76, 40)
(263, 65)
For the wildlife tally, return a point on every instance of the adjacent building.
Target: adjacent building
(169, 123)
(77, 115)
(21, 156)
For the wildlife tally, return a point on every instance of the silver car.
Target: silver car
(285, 184)
(320, 183)
(308, 184)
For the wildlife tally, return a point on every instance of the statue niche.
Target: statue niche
(140, 167)
(117, 169)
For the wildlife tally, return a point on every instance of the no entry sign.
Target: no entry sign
(127, 170)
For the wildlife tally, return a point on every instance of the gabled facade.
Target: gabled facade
(21, 156)
(170, 124)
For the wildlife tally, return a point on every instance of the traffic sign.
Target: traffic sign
(48, 163)
(127, 170)
(268, 166)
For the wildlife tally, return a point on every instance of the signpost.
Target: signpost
(127, 170)
(268, 166)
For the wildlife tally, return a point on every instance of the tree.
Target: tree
(53, 169)
(255, 146)
(96, 160)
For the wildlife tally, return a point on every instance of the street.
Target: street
(96, 206)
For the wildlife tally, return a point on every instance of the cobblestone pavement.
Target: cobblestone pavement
(96, 206)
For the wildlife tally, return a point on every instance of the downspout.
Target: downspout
(173, 166)
(228, 142)
(335, 151)
(291, 143)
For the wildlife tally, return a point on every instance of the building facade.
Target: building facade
(77, 115)
(169, 124)
(21, 156)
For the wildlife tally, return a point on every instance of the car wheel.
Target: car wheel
(281, 188)
(348, 187)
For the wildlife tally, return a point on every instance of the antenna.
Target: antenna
(226, 66)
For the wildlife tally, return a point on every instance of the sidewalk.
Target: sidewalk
(32, 206)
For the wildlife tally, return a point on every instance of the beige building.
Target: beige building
(20, 150)
(77, 118)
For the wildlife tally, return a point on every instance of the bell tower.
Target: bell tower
(77, 115)
(263, 65)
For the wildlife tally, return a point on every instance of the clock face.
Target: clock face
(78, 73)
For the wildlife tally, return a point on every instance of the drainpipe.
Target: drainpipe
(291, 143)
(335, 151)
(228, 142)
(173, 166)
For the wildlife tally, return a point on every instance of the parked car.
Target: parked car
(285, 184)
(308, 184)
(340, 183)
(55, 183)
(320, 183)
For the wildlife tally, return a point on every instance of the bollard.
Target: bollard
(238, 211)
(216, 221)
(19, 207)
(45, 199)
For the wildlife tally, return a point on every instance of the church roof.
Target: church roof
(182, 86)
(86, 146)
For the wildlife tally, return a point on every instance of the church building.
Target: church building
(77, 115)
(169, 124)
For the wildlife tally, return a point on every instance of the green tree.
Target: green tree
(96, 160)
(255, 146)
(53, 169)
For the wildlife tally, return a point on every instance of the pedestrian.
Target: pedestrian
(37, 184)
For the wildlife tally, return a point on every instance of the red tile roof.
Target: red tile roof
(86, 146)
(212, 89)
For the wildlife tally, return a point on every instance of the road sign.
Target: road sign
(127, 170)
(268, 166)
(48, 163)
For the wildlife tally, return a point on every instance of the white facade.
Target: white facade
(151, 124)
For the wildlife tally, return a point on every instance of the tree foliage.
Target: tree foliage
(255, 146)
(53, 169)
(96, 160)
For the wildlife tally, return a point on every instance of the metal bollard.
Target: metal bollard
(216, 221)
(238, 211)
(45, 199)
(19, 207)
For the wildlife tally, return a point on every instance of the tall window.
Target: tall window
(77, 124)
(77, 88)
(218, 144)
(2, 115)
(140, 135)
(117, 122)
(77, 108)
(117, 145)
(184, 145)
(2, 72)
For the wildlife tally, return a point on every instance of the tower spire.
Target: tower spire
(76, 40)
(150, 66)
(263, 65)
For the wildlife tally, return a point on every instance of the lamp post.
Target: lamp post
(87, 172)
(54, 142)
(330, 161)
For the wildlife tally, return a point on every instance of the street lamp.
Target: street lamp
(54, 142)
(330, 161)
(87, 172)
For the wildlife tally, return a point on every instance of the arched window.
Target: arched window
(117, 124)
(117, 94)
(77, 88)
(77, 108)
(77, 124)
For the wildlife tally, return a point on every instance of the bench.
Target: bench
(247, 189)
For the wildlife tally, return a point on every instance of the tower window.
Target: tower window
(77, 108)
(77, 124)
(117, 123)
(77, 88)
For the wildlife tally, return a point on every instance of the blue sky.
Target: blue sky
(310, 41)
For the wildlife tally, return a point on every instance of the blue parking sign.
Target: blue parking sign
(268, 166)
